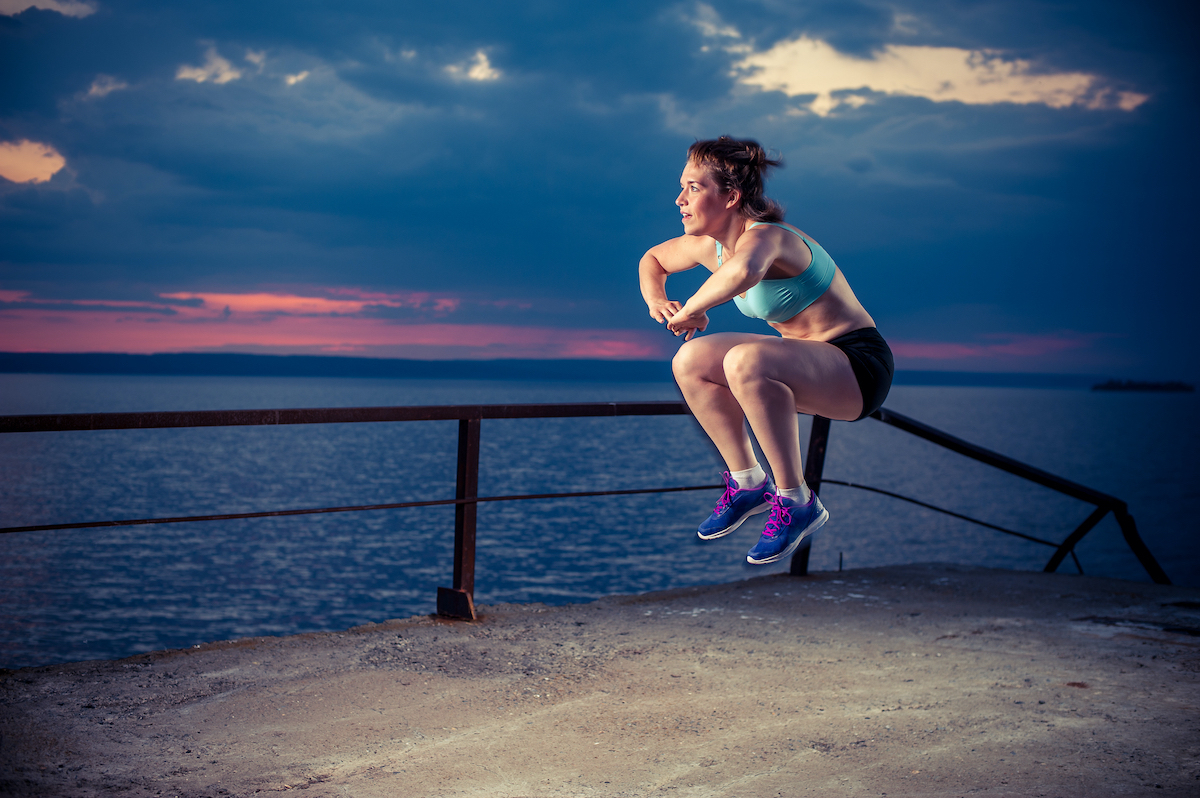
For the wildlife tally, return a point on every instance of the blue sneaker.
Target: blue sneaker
(735, 506)
(790, 523)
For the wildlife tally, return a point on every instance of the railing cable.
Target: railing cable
(482, 499)
(928, 506)
(348, 509)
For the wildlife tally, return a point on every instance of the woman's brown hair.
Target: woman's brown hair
(740, 165)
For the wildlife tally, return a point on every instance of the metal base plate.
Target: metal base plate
(455, 603)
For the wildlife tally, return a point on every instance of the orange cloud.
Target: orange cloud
(27, 161)
(812, 67)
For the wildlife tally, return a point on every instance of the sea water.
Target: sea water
(107, 593)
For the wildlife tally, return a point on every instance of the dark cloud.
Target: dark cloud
(381, 169)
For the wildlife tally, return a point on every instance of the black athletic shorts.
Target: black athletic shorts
(872, 362)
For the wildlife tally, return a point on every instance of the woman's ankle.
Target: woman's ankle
(800, 495)
(752, 477)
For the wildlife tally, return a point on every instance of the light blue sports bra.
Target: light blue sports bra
(780, 300)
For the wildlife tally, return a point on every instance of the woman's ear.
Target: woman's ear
(735, 197)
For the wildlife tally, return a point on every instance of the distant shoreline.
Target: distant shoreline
(248, 365)
(1137, 385)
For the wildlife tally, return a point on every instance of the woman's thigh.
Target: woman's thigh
(818, 374)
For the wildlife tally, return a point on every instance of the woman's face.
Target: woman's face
(703, 206)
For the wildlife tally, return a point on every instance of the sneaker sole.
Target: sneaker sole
(762, 508)
(808, 532)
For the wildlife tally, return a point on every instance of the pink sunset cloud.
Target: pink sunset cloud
(210, 305)
(996, 347)
(295, 323)
(346, 320)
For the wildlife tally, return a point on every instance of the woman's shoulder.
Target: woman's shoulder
(784, 231)
(773, 226)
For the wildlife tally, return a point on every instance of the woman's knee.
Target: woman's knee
(743, 365)
(694, 359)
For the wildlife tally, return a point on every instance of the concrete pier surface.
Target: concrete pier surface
(921, 680)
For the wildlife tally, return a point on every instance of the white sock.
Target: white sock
(800, 495)
(750, 478)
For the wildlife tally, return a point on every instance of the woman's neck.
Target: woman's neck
(732, 230)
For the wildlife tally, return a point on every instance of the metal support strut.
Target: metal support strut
(818, 441)
(459, 601)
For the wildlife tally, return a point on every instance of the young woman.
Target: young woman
(827, 359)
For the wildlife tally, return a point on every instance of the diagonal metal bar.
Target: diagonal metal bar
(1068, 545)
(995, 459)
(1076, 559)
(1101, 500)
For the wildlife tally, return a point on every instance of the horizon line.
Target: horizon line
(331, 365)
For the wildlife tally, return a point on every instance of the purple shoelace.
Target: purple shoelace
(780, 517)
(727, 496)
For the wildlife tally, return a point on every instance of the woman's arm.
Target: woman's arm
(669, 257)
(756, 252)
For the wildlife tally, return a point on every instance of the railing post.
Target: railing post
(818, 440)
(458, 601)
(1134, 540)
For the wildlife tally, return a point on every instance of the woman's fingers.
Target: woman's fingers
(687, 326)
(665, 311)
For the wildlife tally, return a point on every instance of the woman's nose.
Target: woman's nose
(679, 200)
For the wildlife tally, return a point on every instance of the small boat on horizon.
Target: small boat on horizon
(1173, 386)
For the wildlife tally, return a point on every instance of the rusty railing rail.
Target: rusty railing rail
(1103, 502)
(458, 600)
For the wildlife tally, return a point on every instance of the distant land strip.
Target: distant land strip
(245, 365)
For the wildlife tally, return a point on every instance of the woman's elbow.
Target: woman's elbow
(649, 264)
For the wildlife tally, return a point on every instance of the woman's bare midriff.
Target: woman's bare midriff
(835, 313)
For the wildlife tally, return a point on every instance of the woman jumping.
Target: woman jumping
(828, 359)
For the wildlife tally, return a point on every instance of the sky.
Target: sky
(1008, 185)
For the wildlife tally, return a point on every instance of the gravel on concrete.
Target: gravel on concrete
(923, 680)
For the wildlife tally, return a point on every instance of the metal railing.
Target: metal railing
(458, 600)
